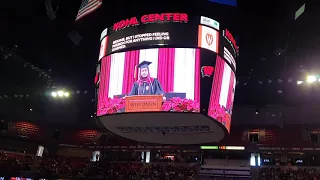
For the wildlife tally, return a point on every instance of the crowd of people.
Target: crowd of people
(13, 162)
(65, 166)
(169, 172)
(58, 167)
(289, 174)
(126, 171)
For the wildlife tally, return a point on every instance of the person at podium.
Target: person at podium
(146, 85)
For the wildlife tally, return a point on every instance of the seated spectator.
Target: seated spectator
(81, 168)
(290, 174)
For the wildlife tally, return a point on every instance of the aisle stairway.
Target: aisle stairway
(255, 173)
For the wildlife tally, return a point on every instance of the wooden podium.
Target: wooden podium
(143, 103)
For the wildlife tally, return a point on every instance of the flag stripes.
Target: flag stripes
(88, 6)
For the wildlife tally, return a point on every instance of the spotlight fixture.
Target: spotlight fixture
(299, 82)
(311, 79)
(60, 94)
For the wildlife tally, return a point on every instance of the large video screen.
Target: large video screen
(186, 80)
(167, 62)
(172, 73)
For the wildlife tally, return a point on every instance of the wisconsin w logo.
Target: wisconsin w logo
(209, 39)
(207, 71)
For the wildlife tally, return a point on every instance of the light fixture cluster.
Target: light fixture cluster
(310, 80)
(60, 94)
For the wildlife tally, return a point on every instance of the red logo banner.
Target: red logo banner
(207, 71)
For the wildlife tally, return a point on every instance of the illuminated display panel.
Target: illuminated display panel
(208, 38)
(178, 75)
(152, 34)
(217, 88)
(173, 74)
(222, 93)
(133, 33)
(184, 66)
(229, 49)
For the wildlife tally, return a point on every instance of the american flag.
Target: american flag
(88, 6)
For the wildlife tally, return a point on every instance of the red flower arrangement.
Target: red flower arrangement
(112, 106)
(216, 111)
(177, 104)
(220, 114)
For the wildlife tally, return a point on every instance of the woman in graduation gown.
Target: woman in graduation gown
(146, 85)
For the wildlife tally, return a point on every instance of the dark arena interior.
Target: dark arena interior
(190, 90)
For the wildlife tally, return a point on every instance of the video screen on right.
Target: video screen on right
(218, 82)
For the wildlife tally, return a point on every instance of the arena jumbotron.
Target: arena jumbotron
(163, 77)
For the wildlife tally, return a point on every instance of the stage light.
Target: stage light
(66, 94)
(311, 79)
(60, 94)
(299, 82)
(54, 94)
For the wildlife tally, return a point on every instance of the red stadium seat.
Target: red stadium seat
(25, 129)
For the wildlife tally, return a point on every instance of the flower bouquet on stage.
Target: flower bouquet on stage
(219, 113)
(113, 105)
(177, 104)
